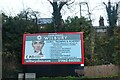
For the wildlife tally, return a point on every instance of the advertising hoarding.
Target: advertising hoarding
(53, 48)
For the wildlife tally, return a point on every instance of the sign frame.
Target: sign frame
(52, 63)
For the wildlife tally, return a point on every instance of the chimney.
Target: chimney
(101, 21)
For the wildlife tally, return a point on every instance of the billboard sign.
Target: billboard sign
(53, 48)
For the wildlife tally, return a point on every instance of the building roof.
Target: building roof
(44, 20)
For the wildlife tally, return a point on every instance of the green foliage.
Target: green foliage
(49, 28)
(116, 55)
(13, 29)
(102, 54)
(77, 24)
(107, 49)
(62, 78)
(73, 25)
(79, 78)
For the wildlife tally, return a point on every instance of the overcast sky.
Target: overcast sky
(97, 9)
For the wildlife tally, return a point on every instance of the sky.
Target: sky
(97, 9)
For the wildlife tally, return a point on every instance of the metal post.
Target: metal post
(80, 11)
(89, 14)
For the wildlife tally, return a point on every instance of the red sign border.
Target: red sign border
(49, 63)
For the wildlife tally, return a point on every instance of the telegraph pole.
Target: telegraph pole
(88, 9)
(80, 11)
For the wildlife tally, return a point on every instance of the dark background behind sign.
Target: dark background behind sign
(52, 70)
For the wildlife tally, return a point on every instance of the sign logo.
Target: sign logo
(39, 37)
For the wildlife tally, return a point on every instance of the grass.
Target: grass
(78, 78)
(60, 78)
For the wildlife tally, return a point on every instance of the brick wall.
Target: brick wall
(101, 70)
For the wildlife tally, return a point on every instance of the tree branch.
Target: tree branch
(50, 2)
(70, 3)
(61, 5)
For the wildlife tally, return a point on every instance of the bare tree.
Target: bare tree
(57, 18)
